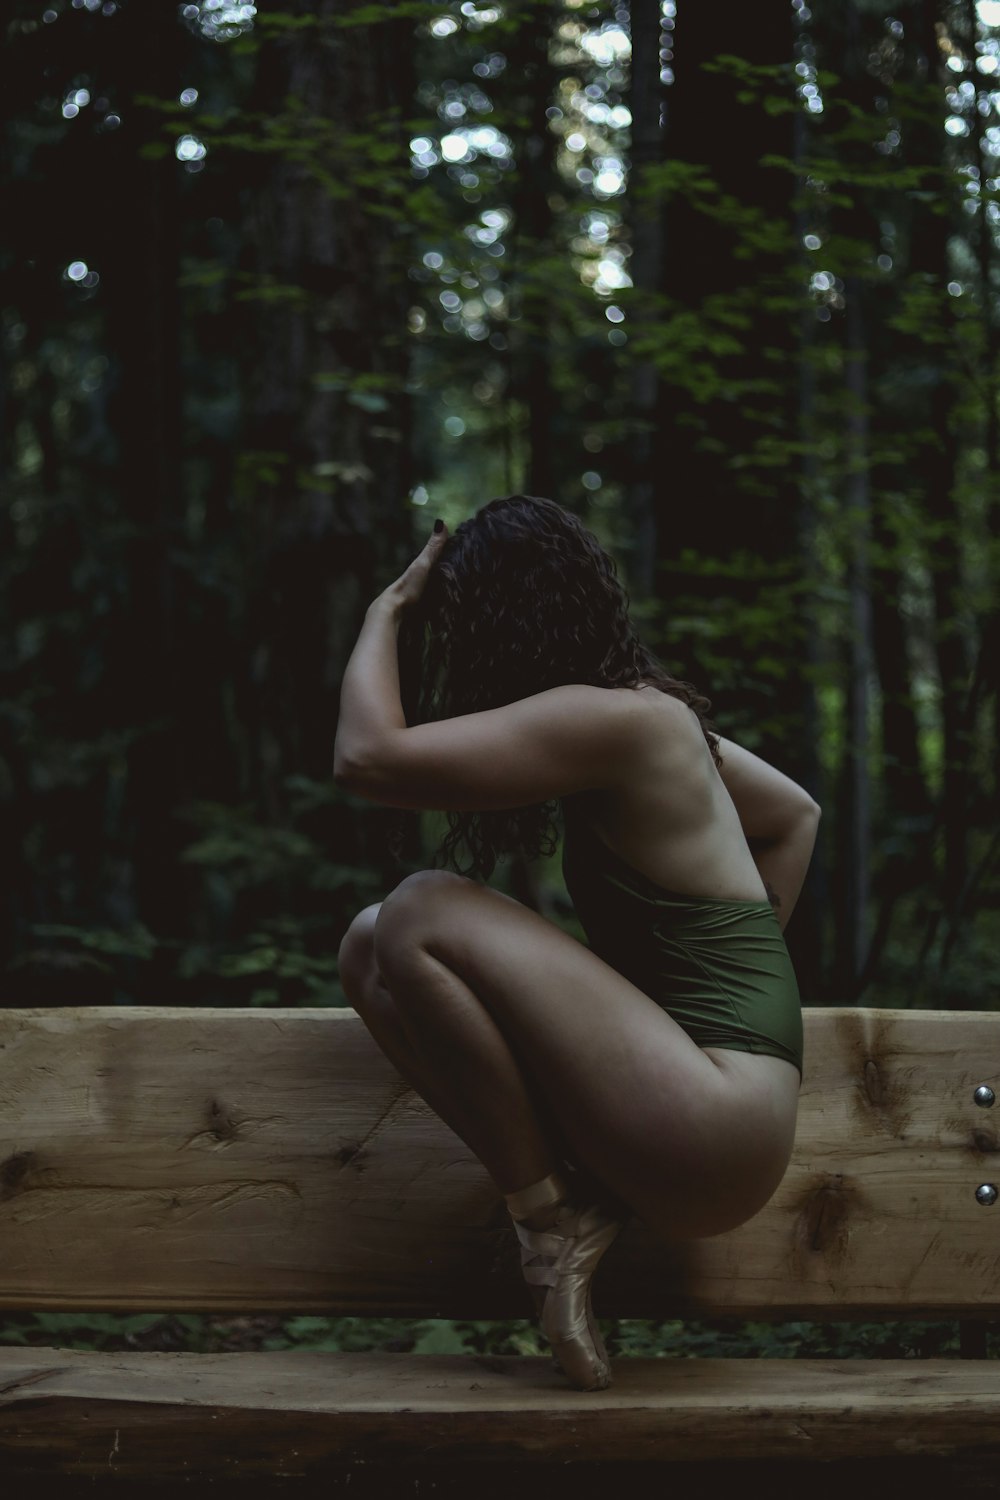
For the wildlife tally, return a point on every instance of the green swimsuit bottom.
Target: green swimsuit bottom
(720, 968)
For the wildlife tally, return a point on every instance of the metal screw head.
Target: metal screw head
(986, 1194)
(984, 1096)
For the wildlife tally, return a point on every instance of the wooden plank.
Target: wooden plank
(273, 1160)
(295, 1413)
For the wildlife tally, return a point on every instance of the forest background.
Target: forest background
(279, 284)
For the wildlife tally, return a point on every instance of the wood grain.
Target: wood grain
(294, 1413)
(273, 1160)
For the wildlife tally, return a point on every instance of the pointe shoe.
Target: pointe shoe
(558, 1264)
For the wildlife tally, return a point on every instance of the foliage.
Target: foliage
(626, 1337)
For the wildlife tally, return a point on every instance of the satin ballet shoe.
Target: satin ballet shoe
(558, 1264)
(546, 1193)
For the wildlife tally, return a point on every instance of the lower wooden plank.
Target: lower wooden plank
(777, 1479)
(297, 1413)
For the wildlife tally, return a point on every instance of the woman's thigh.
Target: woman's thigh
(694, 1144)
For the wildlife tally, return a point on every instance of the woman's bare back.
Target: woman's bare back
(669, 814)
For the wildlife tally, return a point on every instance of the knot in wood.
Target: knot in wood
(348, 1154)
(873, 1083)
(14, 1172)
(826, 1219)
(220, 1123)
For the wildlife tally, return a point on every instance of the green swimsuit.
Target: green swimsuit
(720, 968)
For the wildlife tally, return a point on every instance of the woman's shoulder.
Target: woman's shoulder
(641, 704)
(647, 727)
(648, 703)
(641, 696)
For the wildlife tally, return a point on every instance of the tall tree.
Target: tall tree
(724, 458)
(935, 473)
(142, 258)
(647, 105)
(532, 386)
(325, 453)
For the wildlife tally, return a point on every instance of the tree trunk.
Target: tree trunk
(806, 934)
(724, 453)
(647, 99)
(532, 390)
(323, 469)
(856, 841)
(140, 283)
(936, 476)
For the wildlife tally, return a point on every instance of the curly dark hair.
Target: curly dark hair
(523, 598)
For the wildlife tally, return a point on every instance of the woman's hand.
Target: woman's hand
(410, 585)
(371, 714)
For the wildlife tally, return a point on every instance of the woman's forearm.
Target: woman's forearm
(783, 862)
(370, 707)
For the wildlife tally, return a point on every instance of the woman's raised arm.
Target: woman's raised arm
(556, 742)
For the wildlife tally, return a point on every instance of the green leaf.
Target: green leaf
(301, 1328)
(368, 401)
(276, 21)
(441, 1337)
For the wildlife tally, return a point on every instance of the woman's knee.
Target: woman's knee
(356, 957)
(407, 913)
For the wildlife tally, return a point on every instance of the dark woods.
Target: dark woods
(280, 285)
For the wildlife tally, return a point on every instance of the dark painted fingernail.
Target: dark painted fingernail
(439, 524)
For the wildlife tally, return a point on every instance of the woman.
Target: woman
(657, 1071)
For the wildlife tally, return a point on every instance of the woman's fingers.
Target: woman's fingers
(411, 584)
(432, 549)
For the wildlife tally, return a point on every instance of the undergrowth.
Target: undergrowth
(636, 1337)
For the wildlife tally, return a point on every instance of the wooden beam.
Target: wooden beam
(229, 1160)
(236, 1415)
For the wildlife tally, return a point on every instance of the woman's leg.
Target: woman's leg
(501, 1010)
(464, 1070)
(467, 1073)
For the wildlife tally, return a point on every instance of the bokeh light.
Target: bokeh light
(218, 20)
(607, 46)
(189, 148)
(74, 101)
(454, 147)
